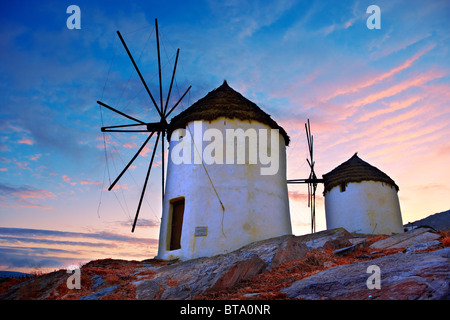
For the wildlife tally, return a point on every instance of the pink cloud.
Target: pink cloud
(398, 88)
(22, 164)
(119, 186)
(67, 179)
(24, 197)
(361, 84)
(36, 194)
(130, 145)
(26, 141)
(298, 196)
(35, 157)
(106, 140)
(393, 106)
(414, 126)
(303, 196)
(89, 181)
(443, 150)
(156, 163)
(25, 205)
(145, 151)
(398, 45)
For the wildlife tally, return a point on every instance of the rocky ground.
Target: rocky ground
(330, 264)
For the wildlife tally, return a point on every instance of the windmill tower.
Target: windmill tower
(358, 196)
(221, 203)
(213, 207)
(361, 198)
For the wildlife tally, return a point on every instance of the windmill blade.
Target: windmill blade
(309, 194)
(129, 163)
(105, 129)
(119, 130)
(307, 137)
(159, 67)
(145, 184)
(178, 102)
(113, 128)
(312, 180)
(310, 201)
(171, 82)
(308, 128)
(119, 112)
(313, 212)
(150, 127)
(162, 171)
(139, 73)
(313, 207)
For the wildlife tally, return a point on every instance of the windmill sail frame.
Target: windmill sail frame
(160, 127)
(312, 180)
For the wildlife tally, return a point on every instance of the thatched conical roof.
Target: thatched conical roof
(224, 102)
(355, 170)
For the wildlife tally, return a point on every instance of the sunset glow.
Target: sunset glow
(383, 93)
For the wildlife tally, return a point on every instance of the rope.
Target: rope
(132, 72)
(210, 181)
(203, 164)
(131, 175)
(125, 209)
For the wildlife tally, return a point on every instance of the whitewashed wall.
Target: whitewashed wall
(365, 207)
(256, 206)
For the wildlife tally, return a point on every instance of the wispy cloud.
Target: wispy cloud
(34, 259)
(298, 196)
(22, 248)
(24, 197)
(66, 178)
(90, 182)
(26, 141)
(393, 106)
(417, 80)
(378, 78)
(35, 157)
(249, 17)
(142, 223)
(24, 232)
(383, 93)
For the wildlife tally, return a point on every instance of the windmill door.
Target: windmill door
(177, 224)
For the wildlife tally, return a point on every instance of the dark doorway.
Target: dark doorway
(177, 224)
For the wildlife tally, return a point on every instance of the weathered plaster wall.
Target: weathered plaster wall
(366, 207)
(256, 206)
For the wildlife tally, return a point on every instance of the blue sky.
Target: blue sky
(383, 93)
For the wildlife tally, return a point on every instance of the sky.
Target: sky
(383, 93)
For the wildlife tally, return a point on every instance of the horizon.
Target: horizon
(380, 92)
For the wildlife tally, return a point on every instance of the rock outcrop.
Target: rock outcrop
(403, 276)
(325, 265)
(186, 280)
